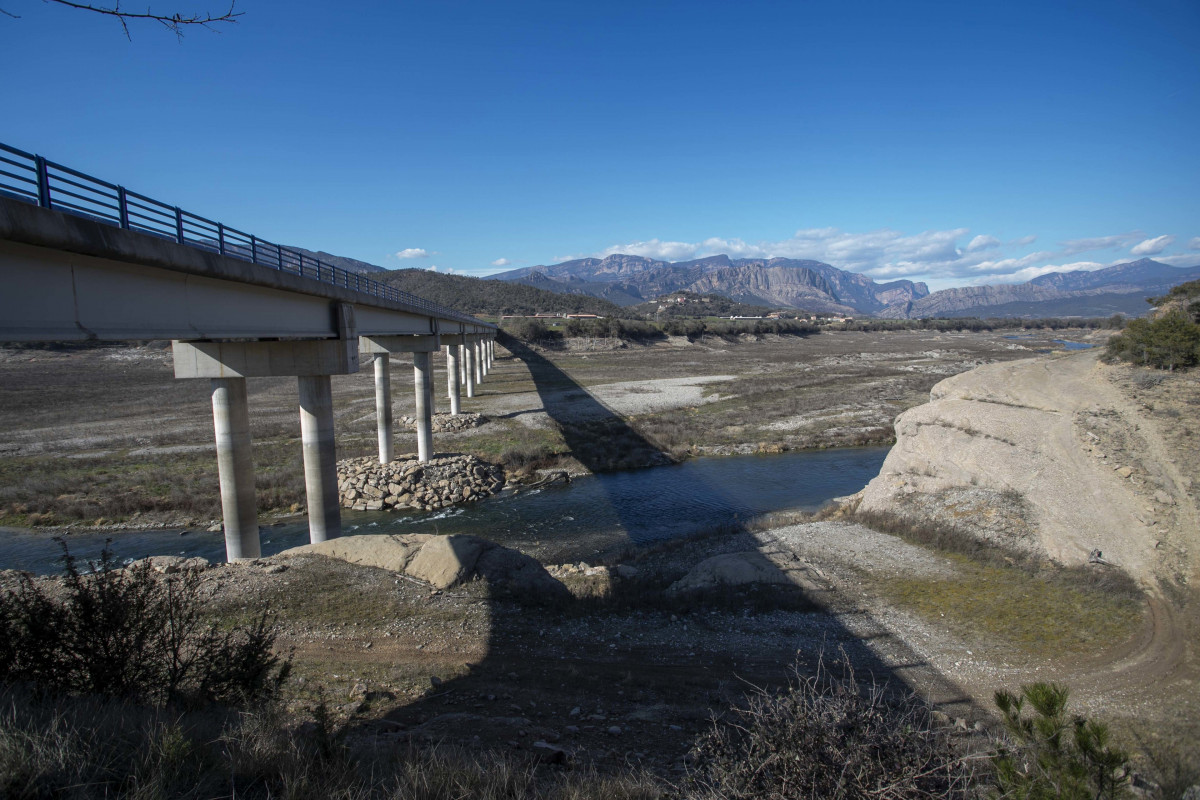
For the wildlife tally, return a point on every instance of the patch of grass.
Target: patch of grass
(1028, 611)
(1013, 595)
(324, 597)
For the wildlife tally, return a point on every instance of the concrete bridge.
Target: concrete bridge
(83, 259)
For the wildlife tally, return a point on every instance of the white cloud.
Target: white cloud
(501, 262)
(433, 267)
(413, 252)
(1152, 247)
(1073, 246)
(1194, 244)
(1026, 240)
(982, 242)
(1029, 273)
(663, 251)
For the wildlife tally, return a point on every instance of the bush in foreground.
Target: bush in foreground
(826, 736)
(132, 633)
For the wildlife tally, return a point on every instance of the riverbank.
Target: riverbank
(106, 438)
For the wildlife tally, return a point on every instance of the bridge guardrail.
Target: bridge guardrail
(34, 179)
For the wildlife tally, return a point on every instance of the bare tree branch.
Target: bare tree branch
(175, 23)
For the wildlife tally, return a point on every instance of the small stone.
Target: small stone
(550, 753)
(1124, 472)
(614, 730)
(575, 712)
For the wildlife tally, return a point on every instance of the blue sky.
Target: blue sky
(952, 142)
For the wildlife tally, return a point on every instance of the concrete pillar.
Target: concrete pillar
(235, 466)
(469, 367)
(491, 347)
(478, 345)
(484, 363)
(462, 364)
(423, 380)
(320, 458)
(383, 406)
(453, 376)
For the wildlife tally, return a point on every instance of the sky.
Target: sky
(958, 143)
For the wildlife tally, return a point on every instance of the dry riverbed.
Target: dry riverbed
(625, 673)
(106, 436)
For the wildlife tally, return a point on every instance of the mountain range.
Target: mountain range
(628, 280)
(1122, 288)
(815, 286)
(776, 282)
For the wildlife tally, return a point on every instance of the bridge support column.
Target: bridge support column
(320, 458)
(235, 467)
(469, 365)
(478, 346)
(228, 364)
(421, 346)
(491, 351)
(423, 382)
(383, 406)
(453, 386)
(484, 361)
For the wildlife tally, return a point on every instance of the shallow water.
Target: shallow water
(593, 514)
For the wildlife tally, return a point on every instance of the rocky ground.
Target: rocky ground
(635, 659)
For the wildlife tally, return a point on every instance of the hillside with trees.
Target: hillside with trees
(493, 297)
(1170, 338)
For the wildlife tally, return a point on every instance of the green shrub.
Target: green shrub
(1051, 755)
(1170, 341)
(531, 330)
(132, 633)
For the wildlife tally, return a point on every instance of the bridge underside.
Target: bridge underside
(66, 278)
(51, 295)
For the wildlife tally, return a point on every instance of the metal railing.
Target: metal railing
(37, 180)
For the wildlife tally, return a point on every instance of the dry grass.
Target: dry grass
(1034, 605)
(85, 748)
(1035, 613)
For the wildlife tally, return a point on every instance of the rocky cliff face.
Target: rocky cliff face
(782, 282)
(1043, 455)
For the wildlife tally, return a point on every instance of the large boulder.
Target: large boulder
(445, 561)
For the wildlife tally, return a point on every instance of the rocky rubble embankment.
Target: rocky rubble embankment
(447, 423)
(406, 483)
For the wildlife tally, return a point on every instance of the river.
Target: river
(592, 515)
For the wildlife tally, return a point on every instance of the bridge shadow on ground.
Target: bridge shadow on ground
(627, 671)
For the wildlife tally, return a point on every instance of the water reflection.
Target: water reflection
(561, 523)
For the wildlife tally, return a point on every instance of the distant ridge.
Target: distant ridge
(776, 282)
(350, 264)
(1122, 288)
